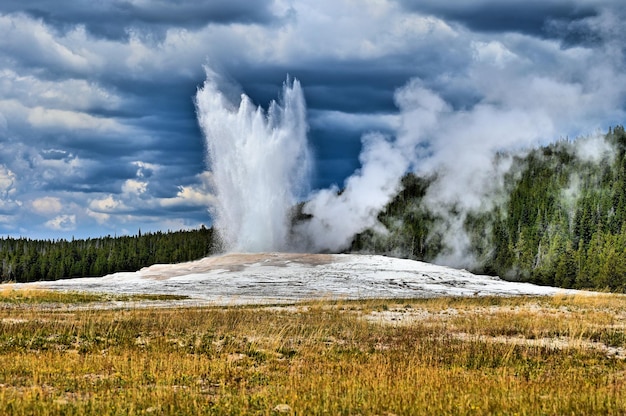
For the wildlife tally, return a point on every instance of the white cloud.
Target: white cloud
(348, 30)
(134, 187)
(100, 217)
(46, 46)
(47, 205)
(7, 182)
(45, 118)
(64, 94)
(107, 205)
(68, 167)
(31, 124)
(144, 169)
(62, 223)
(492, 52)
(190, 195)
(193, 195)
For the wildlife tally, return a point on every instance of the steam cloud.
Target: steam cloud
(261, 162)
(458, 148)
(338, 216)
(515, 112)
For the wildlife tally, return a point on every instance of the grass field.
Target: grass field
(526, 356)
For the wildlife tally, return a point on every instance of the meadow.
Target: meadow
(77, 354)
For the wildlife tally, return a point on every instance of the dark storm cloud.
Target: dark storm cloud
(96, 98)
(330, 146)
(322, 91)
(113, 19)
(526, 16)
(357, 85)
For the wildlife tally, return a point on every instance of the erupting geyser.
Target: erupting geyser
(260, 164)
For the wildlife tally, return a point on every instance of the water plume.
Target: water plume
(260, 163)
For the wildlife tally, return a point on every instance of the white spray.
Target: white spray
(260, 164)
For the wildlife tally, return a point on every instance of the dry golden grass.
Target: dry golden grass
(11, 294)
(437, 356)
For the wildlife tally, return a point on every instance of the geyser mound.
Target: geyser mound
(254, 278)
(260, 162)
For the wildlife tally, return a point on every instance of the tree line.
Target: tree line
(26, 260)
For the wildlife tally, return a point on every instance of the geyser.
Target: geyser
(260, 164)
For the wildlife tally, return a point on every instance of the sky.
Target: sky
(98, 128)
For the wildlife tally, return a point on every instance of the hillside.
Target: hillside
(559, 218)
